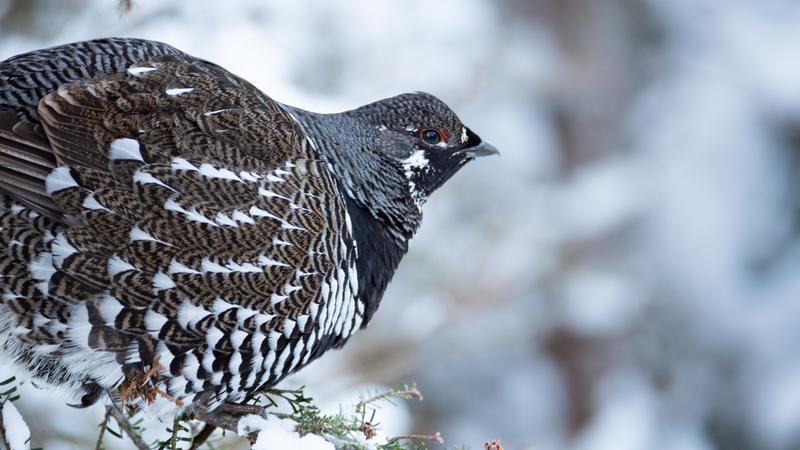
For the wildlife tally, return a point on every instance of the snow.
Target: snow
(16, 430)
(279, 433)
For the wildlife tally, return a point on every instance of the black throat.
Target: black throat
(379, 253)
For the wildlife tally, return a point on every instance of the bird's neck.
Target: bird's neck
(381, 226)
(365, 174)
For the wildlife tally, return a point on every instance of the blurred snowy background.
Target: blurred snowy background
(626, 276)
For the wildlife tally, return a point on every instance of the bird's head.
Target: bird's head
(390, 155)
(423, 139)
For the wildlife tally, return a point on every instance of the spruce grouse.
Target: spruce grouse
(163, 220)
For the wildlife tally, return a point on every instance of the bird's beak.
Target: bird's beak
(485, 148)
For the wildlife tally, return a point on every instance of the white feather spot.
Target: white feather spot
(147, 178)
(61, 249)
(192, 214)
(16, 208)
(274, 299)
(282, 360)
(313, 308)
(216, 111)
(176, 266)
(59, 179)
(244, 268)
(265, 261)
(261, 319)
(189, 314)
(210, 171)
(301, 322)
(348, 223)
(109, 307)
(242, 217)
(312, 339)
(118, 265)
(272, 340)
(225, 220)
(233, 367)
(249, 176)
(237, 337)
(162, 281)
(39, 320)
(256, 340)
(165, 359)
(258, 212)
(288, 326)
(417, 160)
(276, 241)
(91, 203)
(269, 194)
(136, 71)
(178, 91)
(269, 360)
(220, 306)
(352, 276)
(213, 335)
(79, 326)
(298, 350)
(181, 164)
(190, 367)
(177, 386)
(153, 321)
(206, 265)
(287, 226)
(125, 148)
(138, 234)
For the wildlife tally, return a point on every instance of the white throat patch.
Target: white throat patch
(416, 162)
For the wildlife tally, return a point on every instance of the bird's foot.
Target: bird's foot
(226, 416)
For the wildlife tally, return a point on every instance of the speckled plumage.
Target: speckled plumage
(161, 216)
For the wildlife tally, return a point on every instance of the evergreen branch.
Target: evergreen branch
(123, 422)
(401, 391)
(103, 427)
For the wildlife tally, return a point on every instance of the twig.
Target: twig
(435, 437)
(218, 419)
(402, 391)
(174, 439)
(125, 6)
(3, 429)
(103, 427)
(201, 437)
(119, 416)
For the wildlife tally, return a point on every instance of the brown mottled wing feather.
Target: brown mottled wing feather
(25, 155)
(25, 160)
(208, 238)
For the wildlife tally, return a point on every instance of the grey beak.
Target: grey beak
(485, 148)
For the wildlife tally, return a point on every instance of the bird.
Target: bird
(164, 223)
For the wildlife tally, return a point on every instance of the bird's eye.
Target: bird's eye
(431, 136)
